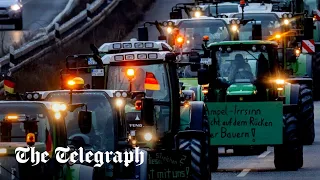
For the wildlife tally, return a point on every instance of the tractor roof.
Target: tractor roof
(177, 21)
(44, 94)
(46, 103)
(251, 42)
(279, 14)
(256, 7)
(134, 44)
(136, 55)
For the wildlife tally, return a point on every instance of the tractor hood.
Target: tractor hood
(11, 146)
(241, 89)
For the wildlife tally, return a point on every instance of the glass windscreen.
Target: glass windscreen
(238, 65)
(157, 87)
(101, 135)
(223, 9)
(18, 114)
(270, 24)
(194, 30)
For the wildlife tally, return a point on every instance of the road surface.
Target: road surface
(262, 168)
(36, 14)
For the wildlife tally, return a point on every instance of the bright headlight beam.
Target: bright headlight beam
(148, 136)
(15, 7)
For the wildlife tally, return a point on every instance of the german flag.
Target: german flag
(49, 143)
(9, 85)
(151, 83)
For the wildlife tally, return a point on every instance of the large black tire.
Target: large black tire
(199, 168)
(289, 156)
(18, 24)
(306, 115)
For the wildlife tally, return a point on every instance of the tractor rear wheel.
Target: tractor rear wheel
(199, 121)
(306, 115)
(289, 156)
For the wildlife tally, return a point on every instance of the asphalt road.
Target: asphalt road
(36, 14)
(261, 167)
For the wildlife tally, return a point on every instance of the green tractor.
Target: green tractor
(293, 31)
(250, 104)
(36, 125)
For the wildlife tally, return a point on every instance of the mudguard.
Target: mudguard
(141, 171)
(185, 117)
(79, 172)
(197, 109)
(292, 93)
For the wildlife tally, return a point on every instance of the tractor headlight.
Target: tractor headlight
(3, 151)
(119, 102)
(59, 107)
(148, 136)
(280, 81)
(286, 21)
(234, 28)
(57, 115)
(197, 14)
(169, 30)
(15, 7)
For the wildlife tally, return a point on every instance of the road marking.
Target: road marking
(263, 155)
(243, 173)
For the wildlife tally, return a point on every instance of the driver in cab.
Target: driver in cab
(238, 67)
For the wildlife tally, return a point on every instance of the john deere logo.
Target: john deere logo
(241, 99)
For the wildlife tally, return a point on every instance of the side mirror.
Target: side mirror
(203, 75)
(143, 34)
(176, 14)
(85, 121)
(94, 49)
(292, 57)
(256, 32)
(147, 108)
(194, 57)
(162, 38)
(171, 57)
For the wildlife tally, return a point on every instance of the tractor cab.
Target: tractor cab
(241, 67)
(34, 124)
(147, 96)
(108, 130)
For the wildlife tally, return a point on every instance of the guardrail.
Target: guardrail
(61, 33)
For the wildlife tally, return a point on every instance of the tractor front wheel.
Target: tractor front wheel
(306, 115)
(289, 156)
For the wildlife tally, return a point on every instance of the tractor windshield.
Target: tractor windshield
(222, 9)
(194, 30)
(238, 65)
(17, 114)
(101, 135)
(270, 24)
(157, 87)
